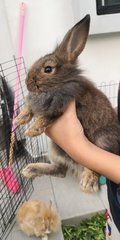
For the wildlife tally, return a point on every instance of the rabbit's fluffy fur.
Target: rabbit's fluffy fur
(36, 218)
(53, 81)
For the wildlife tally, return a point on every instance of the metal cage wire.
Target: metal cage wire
(25, 150)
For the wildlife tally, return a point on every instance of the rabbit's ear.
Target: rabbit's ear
(74, 41)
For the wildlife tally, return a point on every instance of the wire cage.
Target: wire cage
(24, 150)
(111, 91)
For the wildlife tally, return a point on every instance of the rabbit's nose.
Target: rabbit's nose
(35, 79)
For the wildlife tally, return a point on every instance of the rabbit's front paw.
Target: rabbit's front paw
(37, 127)
(33, 132)
(89, 182)
(23, 119)
(30, 171)
(24, 116)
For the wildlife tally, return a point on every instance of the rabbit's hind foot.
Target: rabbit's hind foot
(89, 182)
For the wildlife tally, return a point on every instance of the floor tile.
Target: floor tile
(103, 195)
(19, 235)
(41, 183)
(71, 202)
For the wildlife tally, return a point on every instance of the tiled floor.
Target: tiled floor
(72, 204)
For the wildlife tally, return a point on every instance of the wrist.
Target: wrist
(76, 146)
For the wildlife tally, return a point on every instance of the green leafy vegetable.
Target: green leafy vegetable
(88, 229)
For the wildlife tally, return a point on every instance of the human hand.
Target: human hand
(67, 128)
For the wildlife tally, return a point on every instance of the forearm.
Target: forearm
(68, 133)
(94, 158)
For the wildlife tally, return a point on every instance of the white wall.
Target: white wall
(101, 58)
(6, 49)
(46, 23)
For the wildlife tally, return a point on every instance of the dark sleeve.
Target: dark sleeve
(119, 103)
(112, 189)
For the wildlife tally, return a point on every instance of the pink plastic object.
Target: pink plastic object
(6, 174)
(9, 179)
(19, 55)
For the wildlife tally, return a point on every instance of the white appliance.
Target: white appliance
(105, 14)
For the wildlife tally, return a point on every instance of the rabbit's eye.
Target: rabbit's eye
(48, 69)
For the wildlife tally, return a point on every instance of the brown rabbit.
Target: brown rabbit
(53, 81)
(37, 218)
